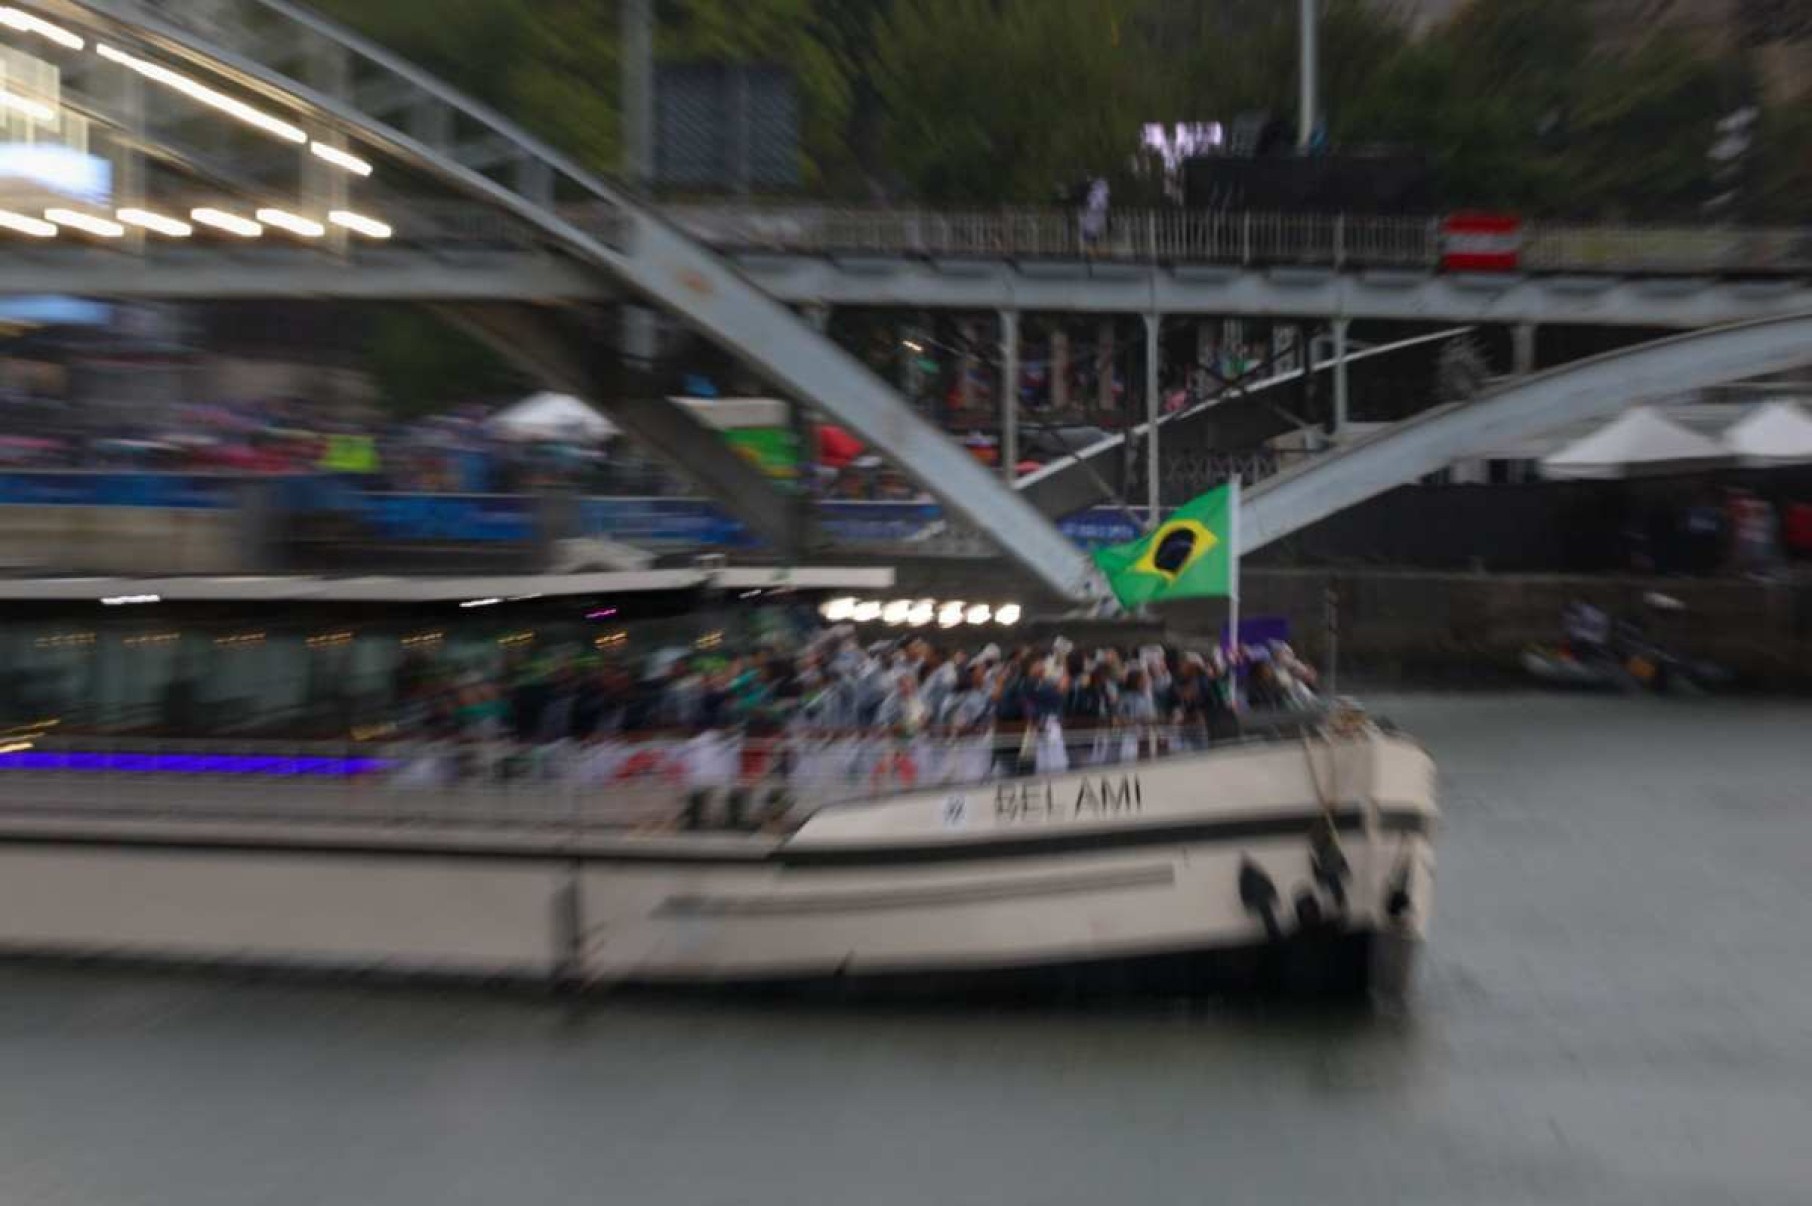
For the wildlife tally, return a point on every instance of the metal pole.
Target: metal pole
(1332, 618)
(1340, 395)
(1009, 395)
(1152, 406)
(1305, 116)
(639, 336)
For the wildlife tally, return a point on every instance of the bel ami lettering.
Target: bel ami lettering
(1100, 797)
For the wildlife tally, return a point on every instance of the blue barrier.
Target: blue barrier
(478, 518)
(76, 488)
(503, 518)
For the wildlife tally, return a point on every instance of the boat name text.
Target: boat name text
(1097, 797)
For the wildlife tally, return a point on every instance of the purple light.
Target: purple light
(192, 764)
(603, 613)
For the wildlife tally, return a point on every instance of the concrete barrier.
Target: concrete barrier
(124, 540)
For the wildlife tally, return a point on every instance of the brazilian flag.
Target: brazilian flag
(1193, 553)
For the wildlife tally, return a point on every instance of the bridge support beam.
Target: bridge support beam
(548, 344)
(1009, 395)
(1522, 349)
(1153, 408)
(1338, 327)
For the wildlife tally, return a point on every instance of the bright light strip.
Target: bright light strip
(125, 600)
(1007, 613)
(219, 219)
(282, 219)
(340, 159)
(75, 219)
(37, 228)
(471, 603)
(36, 110)
(156, 223)
(26, 23)
(206, 95)
(371, 228)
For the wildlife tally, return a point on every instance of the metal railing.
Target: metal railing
(714, 780)
(1233, 238)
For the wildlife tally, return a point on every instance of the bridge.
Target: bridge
(335, 170)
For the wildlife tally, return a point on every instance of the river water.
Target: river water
(1616, 1008)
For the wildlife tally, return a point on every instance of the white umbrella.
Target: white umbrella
(1778, 433)
(550, 416)
(1637, 443)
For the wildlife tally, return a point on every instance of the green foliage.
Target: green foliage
(990, 101)
(421, 365)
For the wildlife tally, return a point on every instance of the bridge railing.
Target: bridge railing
(1231, 237)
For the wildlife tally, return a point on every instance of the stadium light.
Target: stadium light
(371, 228)
(1007, 613)
(37, 228)
(75, 219)
(25, 22)
(220, 219)
(157, 223)
(837, 609)
(196, 90)
(978, 614)
(295, 224)
(866, 612)
(34, 109)
(896, 612)
(340, 159)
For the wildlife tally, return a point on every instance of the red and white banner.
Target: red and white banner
(1475, 241)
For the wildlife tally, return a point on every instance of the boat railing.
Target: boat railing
(720, 779)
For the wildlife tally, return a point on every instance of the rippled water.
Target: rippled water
(1616, 1008)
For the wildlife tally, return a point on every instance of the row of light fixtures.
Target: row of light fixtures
(173, 227)
(918, 613)
(58, 218)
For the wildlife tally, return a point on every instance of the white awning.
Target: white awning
(1779, 433)
(1637, 443)
(550, 416)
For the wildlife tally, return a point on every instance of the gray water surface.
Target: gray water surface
(1616, 1008)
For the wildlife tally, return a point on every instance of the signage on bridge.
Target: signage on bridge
(1475, 241)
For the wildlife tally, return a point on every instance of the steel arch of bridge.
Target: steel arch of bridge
(1601, 385)
(386, 103)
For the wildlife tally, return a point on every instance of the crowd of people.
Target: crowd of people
(830, 711)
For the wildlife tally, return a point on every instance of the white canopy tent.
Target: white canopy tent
(1777, 434)
(1639, 442)
(550, 416)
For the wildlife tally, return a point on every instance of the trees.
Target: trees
(989, 101)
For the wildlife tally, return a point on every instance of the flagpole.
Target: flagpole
(1233, 640)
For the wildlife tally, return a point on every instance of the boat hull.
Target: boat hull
(1294, 867)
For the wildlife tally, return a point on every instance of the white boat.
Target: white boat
(1301, 863)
